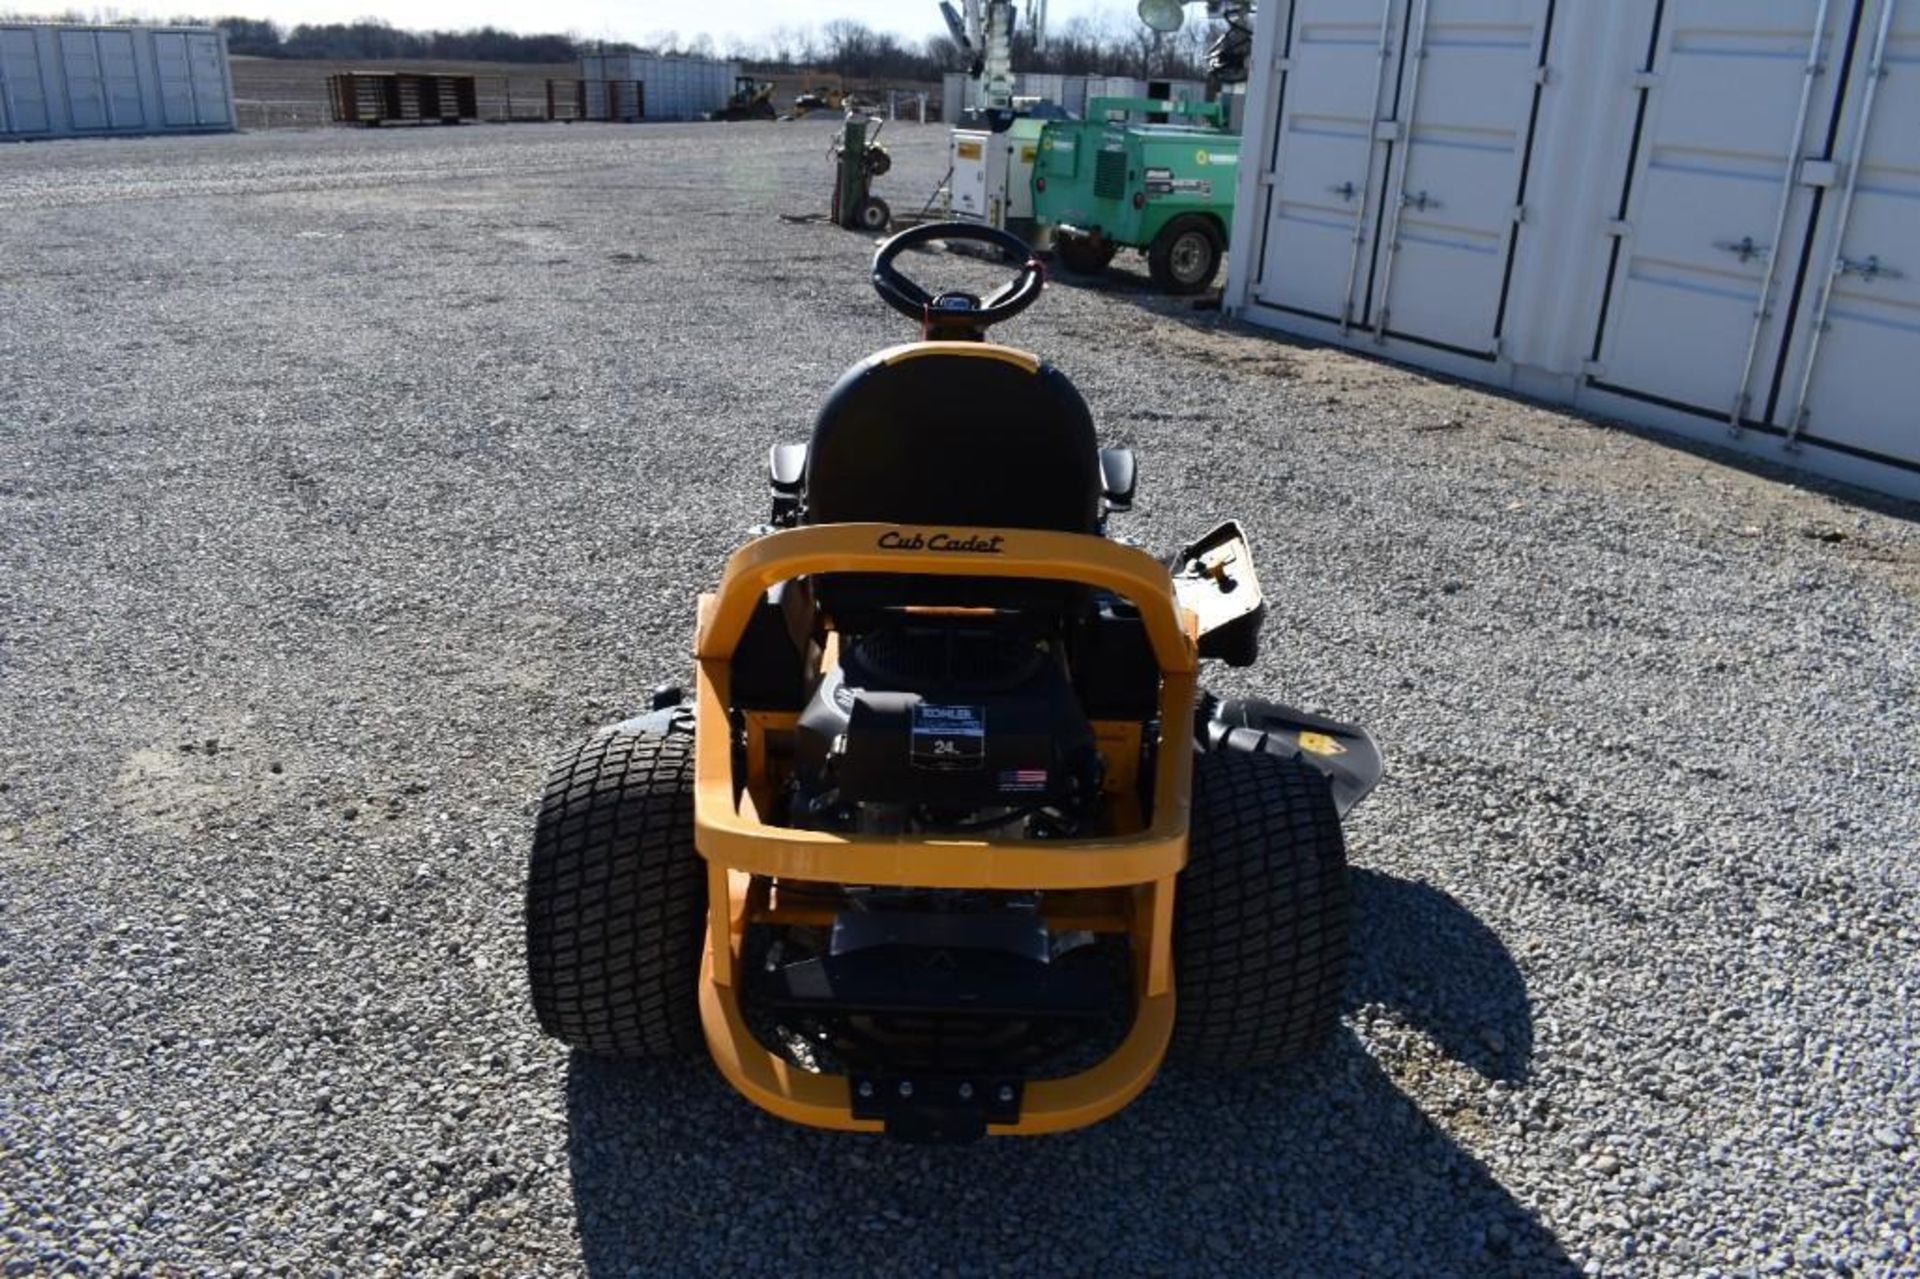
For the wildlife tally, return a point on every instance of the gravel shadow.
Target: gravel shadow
(1325, 1168)
(1423, 955)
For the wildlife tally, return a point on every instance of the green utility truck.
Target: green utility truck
(1119, 180)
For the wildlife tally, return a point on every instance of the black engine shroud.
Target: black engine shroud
(931, 727)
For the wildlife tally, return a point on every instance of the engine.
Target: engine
(944, 727)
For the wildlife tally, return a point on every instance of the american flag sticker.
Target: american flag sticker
(1023, 780)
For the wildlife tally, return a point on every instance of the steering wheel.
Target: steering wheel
(954, 314)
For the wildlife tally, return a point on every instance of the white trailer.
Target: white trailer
(1698, 215)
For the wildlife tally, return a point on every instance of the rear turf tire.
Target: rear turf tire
(1185, 256)
(1260, 915)
(617, 898)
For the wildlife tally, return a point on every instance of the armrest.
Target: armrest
(787, 468)
(1118, 474)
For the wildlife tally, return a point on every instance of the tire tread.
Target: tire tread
(616, 898)
(1260, 914)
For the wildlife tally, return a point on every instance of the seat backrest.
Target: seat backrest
(958, 434)
(955, 433)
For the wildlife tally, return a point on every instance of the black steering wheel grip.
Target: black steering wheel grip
(914, 302)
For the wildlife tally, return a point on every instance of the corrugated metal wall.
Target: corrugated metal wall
(1693, 214)
(1073, 92)
(955, 93)
(64, 81)
(1040, 84)
(673, 88)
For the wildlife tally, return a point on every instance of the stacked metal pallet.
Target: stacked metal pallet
(376, 97)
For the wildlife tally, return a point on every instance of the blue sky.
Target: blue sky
(613, 20)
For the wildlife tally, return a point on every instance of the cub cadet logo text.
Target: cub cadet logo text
(894, 540)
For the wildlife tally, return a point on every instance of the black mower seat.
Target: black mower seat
(957, 435)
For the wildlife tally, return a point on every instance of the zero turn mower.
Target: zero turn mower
(948, 840)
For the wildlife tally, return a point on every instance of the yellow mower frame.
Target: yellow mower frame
(1113, 883)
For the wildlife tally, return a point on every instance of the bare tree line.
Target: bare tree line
(1082, 46)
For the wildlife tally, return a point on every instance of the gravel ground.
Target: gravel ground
(346, 477)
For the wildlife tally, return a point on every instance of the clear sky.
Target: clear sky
(634, 20)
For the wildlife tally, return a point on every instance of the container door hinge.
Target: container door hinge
(1744, 248)
(1386, 130)
(1543, 75)
(1519, 213)
(1645, 80)
(1619, 228)
(1867, 268)
(1818, 173)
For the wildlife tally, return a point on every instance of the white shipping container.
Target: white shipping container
(1114, 86)
(953, 95)
(1044, 85)
(959, 92)
(671, 88)
(1073, 94)
(1696, 214)
(61, 81)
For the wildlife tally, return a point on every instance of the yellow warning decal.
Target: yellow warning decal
(968, 150)
(1320, 744)
(1026, 155)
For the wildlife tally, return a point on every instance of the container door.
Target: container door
(1860, 338)
(211, 101)
(1454, 197)
(23, 96)
(176, 80)
(1075, 97)
(125, 108)
(86, 88)
(1726, 175)
(1332, 146)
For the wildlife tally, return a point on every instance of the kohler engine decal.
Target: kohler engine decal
(949, 739)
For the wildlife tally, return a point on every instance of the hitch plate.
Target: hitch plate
(936, 1109)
